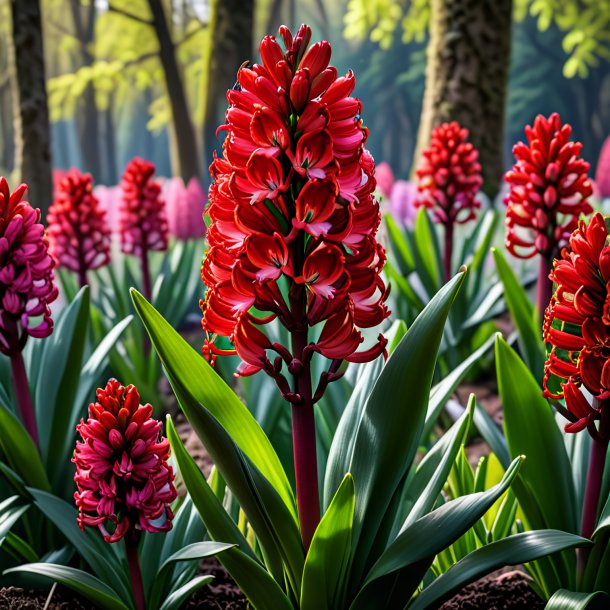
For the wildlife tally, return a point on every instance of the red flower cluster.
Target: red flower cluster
(142, 219)
(293, 216)
(549, 188)
(26, 272)
(577, 323)
(122, 474)
(449, 177)
(79, 237)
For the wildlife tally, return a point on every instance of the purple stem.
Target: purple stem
(131, 543)
(145, 274)
(22, 392)
(595, 475)
(147, 291)
(545, 285)
(448, 249)
(82, 276)
(304, 430)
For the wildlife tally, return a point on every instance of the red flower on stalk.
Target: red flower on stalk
(142, 218)
(577, 324)
(449, 177)
(293, 218)
(549, 188)
(27, 285)
(122, 474)
(79, 237)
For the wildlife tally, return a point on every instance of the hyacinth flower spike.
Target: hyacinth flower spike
(27, 288)
(142, 219)
(292, 235)
(79, 237)
(449, 179)
(577, 331)
(548, 191)
(123, 479)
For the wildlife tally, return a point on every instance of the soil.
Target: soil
(221, 594)
(508, 591)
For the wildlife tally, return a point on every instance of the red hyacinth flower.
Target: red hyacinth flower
(449, 179)
(549, 188)
(79, 237)
(142, 218)
(27, 288)
(548, 191)
(293, 231)
(122, 476)
(577, 329)
(577, 324)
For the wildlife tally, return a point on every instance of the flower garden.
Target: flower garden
(277, 384)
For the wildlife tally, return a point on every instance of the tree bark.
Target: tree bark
(466, 77)
(232, 32)
(31, 114)
(87, 115)
(187, 154)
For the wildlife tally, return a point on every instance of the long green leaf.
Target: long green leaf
(423, 539)
(176, 598)
(89, 544)
(573, 600)
(88, 586)
(58, 381)
(523, 314)
(255, 582)
(514, 550)
(20, 452)
(531, 430)
(11, 510)
(326, 565)
(389, 430)
(194, 376)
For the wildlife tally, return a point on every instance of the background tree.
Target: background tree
(30, 111)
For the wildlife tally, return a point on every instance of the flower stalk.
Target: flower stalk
(544, 288)
(22, 393)
(137, 588)
(448, 249)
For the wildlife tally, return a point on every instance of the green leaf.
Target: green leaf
(399, 245)
(389, 431)
(197, 550)
(443, 390)
(529, 334)
(20, 452)
(572, 600)
(89, 544)
(327, 562)
(88, 586)
(492, 434)
(432, 472)
(531, 430)
(426, 252)
(176, 598)
(422, 540)
(190, 372)
(514, 550)
(11, 510)
(58, 381)
(255, 582)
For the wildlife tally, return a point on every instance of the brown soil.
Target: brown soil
(508, 591)
(14, 598)
(221, 594)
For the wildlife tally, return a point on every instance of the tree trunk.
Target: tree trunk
(187, 155)
(231, 45)
(87, 115)
(466, 77)
(32, 131)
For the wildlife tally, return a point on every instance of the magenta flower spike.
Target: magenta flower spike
(27, 288)
(122, 476)
(142, 218)
(79, 237)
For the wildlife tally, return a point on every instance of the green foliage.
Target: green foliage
(385, 519)
(585, 25)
